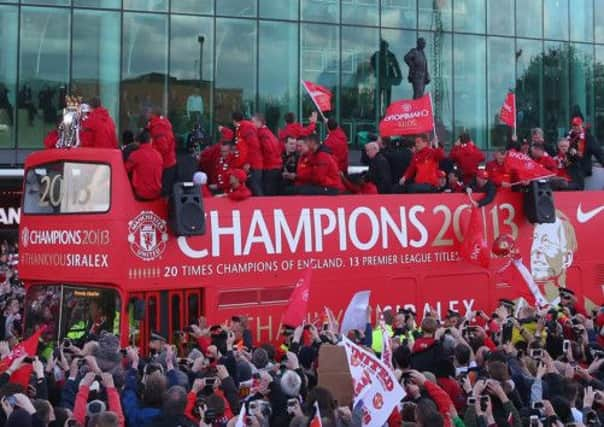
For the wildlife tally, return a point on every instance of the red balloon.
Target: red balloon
(503, 245)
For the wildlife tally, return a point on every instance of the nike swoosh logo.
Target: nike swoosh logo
(583, 217)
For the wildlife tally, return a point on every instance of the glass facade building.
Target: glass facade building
(202, 59)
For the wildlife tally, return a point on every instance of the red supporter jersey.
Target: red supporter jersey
(325, 172)
(304, 170)
(547, 162)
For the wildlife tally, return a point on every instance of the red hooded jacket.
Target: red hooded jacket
(144, 166)
(270, 148)
(98, 130)
(208, 160)
(325, 172)
(296, 130)
(163, 139)
(304, 170)
(424, 166)
(51, 139)
(468, 157)
(548, 162)
(337, 142)
(248, 145)
(497, 173)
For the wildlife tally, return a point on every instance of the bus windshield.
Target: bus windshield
(71, 311)
(67, 187)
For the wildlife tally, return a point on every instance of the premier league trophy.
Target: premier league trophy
(69, 129)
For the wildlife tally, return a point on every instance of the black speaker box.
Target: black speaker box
(185, 211)
(539, 203)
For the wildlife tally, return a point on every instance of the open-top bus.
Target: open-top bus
(89, 250)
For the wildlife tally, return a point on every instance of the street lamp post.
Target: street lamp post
(201, 39)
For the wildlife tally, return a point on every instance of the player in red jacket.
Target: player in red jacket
(497, 170)
(423, 168)
(248, 149)
(145, 166)
(271, 156)
(294, 129)
(238, 190)
(324, 176)
(162, 137)
(467, 156)
(51, 139)
(540, 156)
(97, 129)
(208, 160)
(337, 142)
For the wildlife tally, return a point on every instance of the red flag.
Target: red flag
(320, 95)
(408, 117)
(474, 247)
(523, 168)
(507, 114)
(517, 276)
(29, 348)
(297, 306)
(316, 419)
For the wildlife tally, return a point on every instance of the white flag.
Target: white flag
(355, 316)
(241, 418)
(374, 385)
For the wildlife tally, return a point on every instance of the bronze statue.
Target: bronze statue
(419, 76)
(387, 72)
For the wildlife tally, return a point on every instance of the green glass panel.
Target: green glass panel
(8, 74)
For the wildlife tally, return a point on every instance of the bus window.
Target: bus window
(67, 187)
(71, 311)
(176, 311)
(193, 312)
(152, 325)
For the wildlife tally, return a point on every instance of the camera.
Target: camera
(471, 400)
(566, 346)
(66, 343)
(538, 405)
(534, 421)
(536, 353)
(484, 402)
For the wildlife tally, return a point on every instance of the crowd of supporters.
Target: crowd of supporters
(517, 366)
(250, 160)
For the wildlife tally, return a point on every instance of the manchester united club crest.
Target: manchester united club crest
(147, 235)
(378, 401)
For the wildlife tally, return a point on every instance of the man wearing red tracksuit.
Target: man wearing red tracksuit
(98, 129)
(163, 141)
(337, 142)
(540, 156)
(145, 166)
(497, 171)
(272, 162)
(208, 160)
(467, 156)
(423, 168)
(296, 130)
(324, 176)
(247, 140)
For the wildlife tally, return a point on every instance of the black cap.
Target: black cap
(157, 337)
(451, 313)
(506, 303)
(566, 291)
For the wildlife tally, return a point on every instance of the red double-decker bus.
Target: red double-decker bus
(89, 250)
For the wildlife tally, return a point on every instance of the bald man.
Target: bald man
(379, 168)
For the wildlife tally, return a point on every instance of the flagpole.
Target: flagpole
(313, 100)
(514, 134)
(433, 120)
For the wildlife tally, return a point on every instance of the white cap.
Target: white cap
(200, 178)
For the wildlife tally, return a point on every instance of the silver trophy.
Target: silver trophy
(69, 129)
